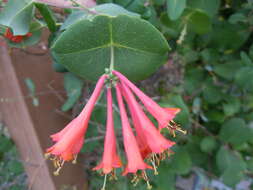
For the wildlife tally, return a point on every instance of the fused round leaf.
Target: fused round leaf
(136, 47)
(17, 15)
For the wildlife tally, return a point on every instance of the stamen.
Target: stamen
(74, 161)
(59, 164)
(145, 177)
(173, 126)
(113, 175)
(154, 165)
(47, 155)
(105, 179)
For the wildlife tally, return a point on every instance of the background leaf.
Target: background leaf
(17, 15)
(73, 86)
(175, 8)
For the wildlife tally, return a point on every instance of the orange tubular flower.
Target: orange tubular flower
(16, 39)
(110, 157)
(69, 141)
(164, 116)
(134, 158)
(156, 142)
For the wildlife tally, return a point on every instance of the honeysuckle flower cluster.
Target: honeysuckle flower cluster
(16, 39)
(144, 146)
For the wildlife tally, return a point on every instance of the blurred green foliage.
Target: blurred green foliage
(12, 176)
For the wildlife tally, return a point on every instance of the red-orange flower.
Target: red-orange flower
(110, 159)
(69, 141)
(16, 39)
(134, 159)
(164, 116)
(156, 142)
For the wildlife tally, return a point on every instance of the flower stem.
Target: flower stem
(112, 59)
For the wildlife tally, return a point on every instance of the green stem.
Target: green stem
(112, 59)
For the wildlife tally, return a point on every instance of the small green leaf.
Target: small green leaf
(166, 178)
(225, 158)
(73, 86)
(198, 21)
(17, 15)
(210, 7)
(175, 8)
(235, 131)
(245, 58)
(244, 78)
(180, 161)
(30, 85)
(36, 30)
(212, 94)
(227, 70)
(48, 16)
(232, 106)
(208, 144)
(59, 68)
(177, 101)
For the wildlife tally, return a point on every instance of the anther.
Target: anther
(47, 155)
(75, 159)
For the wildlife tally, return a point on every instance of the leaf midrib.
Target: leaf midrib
(107, 46)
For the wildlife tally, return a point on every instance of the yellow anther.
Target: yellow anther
(75, 160)
(148, 185)
(47, 155)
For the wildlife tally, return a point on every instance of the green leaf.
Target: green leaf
(232, 106)
(250, 164)
(232, 176)
(59, 68)
(30, 85)
(175, 8)
(236, 18)
(108, 9)
(251, 52)
(177, 101)
(245, 58)
(244, 78)
(208, 144)
(180, 161)
(88, 47)
(231, 166)
(226, 36)
(225, 158)
(73, 86)
(48, 16)
(227, 70)
(210, 7)
(166, 178)
(198, 21)
(111, 9)
(235, 131)
(212, 94)
(5, 144)
(74, 17)
(17, 15)
(36, 30)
